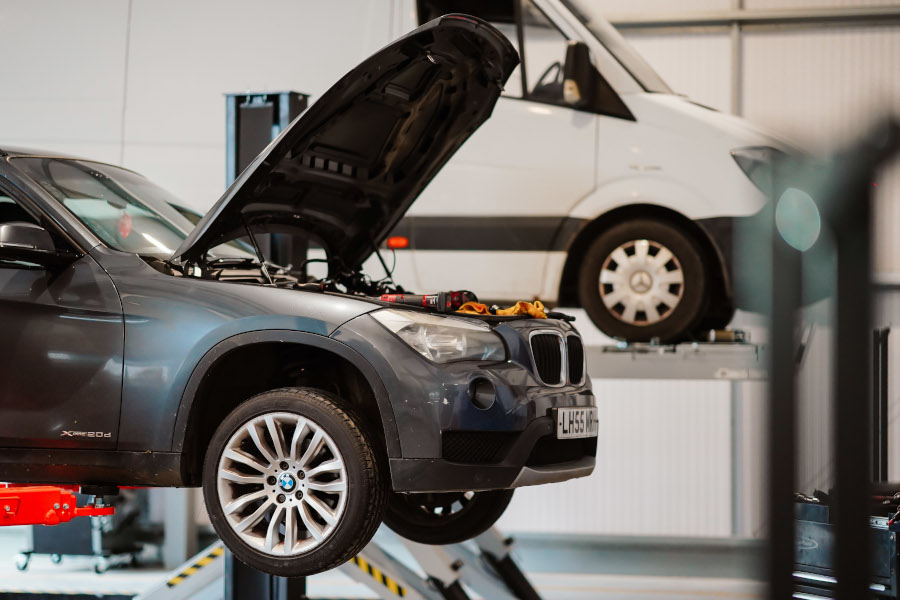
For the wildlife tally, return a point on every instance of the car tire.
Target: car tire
(332, 496)
(658, 287)
(445, 518)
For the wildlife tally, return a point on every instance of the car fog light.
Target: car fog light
(482, 393)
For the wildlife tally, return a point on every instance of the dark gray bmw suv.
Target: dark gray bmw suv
(139, 350)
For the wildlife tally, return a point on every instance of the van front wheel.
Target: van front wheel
(644, 279)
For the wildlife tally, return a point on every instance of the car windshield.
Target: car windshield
(589, 13)
(125, 210)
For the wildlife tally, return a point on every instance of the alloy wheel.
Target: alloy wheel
(282, 484)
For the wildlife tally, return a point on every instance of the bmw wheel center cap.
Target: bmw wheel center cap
(286, 482)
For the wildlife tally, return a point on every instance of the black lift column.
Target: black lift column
(253, 119)
(243, 582)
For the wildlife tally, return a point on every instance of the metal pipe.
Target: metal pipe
(737, 63)
(883, 403)
(881, 383)
(786, 295)
(851, 417)
(520, 34)
(880, 405)
(880, 15)
(737, 459)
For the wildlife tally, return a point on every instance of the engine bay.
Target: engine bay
(339, 280)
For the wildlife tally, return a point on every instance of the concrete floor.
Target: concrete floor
(561, 568)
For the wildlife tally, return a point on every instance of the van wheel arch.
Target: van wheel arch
(568, 286)
(251, 363)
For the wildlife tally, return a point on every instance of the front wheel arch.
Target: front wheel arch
(190, 432)
(568, 285)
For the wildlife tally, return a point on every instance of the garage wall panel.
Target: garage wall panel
(821, 84)
(202, 49)
(887, 221)
(185, 55)
(663, 466)
(195, 173)
(770, 4)
(753, 417)
(697, 65)
(618, 7)
(63, 79)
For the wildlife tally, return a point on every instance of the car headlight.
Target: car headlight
(443, 339)
(757, 163)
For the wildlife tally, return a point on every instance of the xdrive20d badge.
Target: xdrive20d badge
(137, 349)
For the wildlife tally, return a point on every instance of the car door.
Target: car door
(61, 348)
(488, 220)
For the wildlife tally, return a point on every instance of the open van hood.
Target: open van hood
(347, 169)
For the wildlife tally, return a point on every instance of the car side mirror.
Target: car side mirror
(578, 74)
(29, 242)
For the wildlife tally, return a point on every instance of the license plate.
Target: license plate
(576, 422)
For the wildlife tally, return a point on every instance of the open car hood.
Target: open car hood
(347, 169)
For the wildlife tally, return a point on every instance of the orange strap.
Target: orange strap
(535, 309)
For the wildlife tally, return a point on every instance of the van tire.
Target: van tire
(648, 296)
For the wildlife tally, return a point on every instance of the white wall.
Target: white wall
(141, 82)
(663, 466)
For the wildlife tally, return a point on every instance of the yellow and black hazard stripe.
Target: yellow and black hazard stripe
(206, 560)
(378, 576)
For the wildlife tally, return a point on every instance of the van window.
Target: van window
(545, 55)
(590, 13)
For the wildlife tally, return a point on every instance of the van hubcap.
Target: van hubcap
(282, 484)
(641, 282)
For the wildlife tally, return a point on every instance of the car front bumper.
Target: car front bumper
(448, 443)
(523, 464)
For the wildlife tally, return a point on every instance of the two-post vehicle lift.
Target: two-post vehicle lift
(485, 567)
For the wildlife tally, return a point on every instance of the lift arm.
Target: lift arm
(43, 505)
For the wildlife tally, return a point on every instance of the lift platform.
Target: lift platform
(484, 566)
(733, 361)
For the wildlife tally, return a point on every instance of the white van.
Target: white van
(592, 184)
